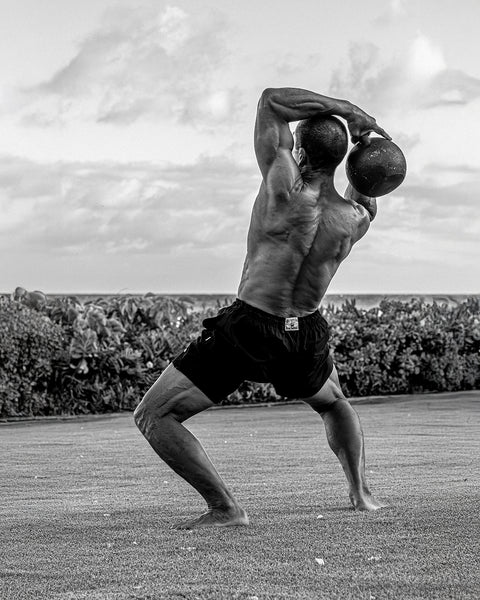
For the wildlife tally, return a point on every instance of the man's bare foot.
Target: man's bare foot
(366, 502)
(216, 518)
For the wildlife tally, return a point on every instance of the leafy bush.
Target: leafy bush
(117, 348)
(30, 346)
(406, 347)
(58, 355)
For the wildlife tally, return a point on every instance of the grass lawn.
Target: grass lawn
(86, 508)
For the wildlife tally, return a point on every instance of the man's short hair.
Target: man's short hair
(324, 139)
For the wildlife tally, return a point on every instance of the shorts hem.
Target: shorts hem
(313, 390)
(215, 398)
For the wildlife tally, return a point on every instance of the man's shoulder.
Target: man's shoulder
(273, 189)
(343, 218)
(361, 220)
(356, 209)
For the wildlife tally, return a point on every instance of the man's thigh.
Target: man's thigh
(328, 394)
(173, 394)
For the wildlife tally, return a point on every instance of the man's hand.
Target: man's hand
(361, 125)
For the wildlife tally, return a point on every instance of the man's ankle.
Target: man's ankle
(226, 506)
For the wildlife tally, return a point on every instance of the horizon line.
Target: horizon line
(144, 293)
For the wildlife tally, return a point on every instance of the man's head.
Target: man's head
(321, 143)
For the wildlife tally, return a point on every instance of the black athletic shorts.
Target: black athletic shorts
(245, 343)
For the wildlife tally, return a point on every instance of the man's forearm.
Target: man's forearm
(293, 104)
(370, 204)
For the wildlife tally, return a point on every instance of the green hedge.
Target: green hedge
(61, 356)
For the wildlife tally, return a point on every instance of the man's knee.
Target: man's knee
(327, 397)
(155, 404)
(144, 414)
(172, 396)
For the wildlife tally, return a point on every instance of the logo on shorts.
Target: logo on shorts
(291, 324)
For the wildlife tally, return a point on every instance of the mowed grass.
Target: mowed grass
(87, 508)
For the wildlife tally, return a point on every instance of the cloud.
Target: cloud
(453, 87)
(418, 78)
(124, 208)
(141, 62)
(427, 225)
(396, 10)
(190, 214)
(431, 217)
(284, 66)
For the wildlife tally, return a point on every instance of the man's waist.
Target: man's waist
(275, 313)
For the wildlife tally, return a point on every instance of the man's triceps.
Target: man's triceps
(272, 136)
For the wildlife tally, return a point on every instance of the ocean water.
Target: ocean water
(365, 301)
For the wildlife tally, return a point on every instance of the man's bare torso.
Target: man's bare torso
(301, 228)
(295, 245)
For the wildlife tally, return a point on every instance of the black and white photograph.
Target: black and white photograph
(239, 300)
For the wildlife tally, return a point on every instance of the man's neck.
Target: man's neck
(318, 178)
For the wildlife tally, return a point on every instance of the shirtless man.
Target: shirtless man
(301, 229)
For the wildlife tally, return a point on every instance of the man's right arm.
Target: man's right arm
(278, 107)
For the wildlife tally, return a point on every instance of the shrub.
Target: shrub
(406, 347)
(64, 356)
(117, 348)
(30, 346)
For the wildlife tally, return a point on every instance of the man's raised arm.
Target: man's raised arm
(279, 106)
(294, 104)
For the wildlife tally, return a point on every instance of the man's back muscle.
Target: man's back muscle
(295, 245)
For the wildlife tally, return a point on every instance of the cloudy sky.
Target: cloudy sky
(126, 156)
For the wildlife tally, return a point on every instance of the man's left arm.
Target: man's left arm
(370, 204)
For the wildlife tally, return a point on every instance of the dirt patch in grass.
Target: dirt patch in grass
(87, 508)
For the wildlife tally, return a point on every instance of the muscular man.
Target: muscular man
(301, 229)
